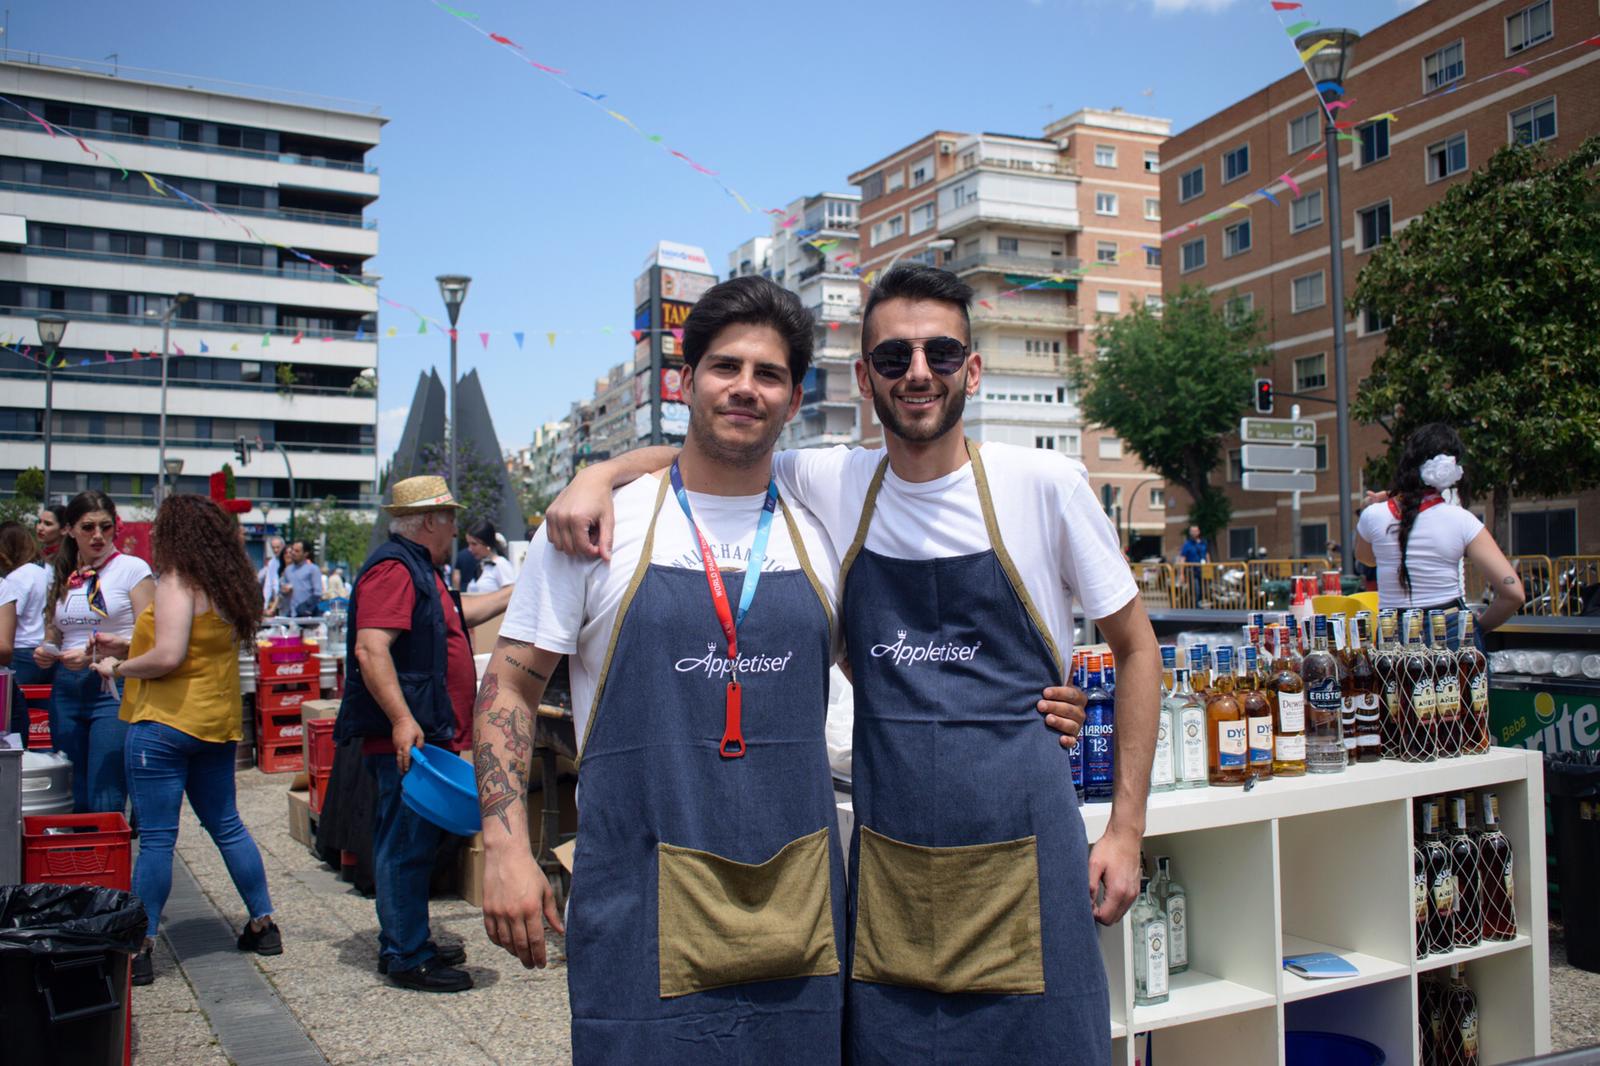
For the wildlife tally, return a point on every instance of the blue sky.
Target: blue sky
(492, 169)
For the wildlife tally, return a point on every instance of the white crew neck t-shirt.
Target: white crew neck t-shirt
(569, 605)
(1439, 539)
(493, 574)
(1062, 543)
(28, 586)
(117, 578)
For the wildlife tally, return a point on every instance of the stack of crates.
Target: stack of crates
(286, 676)
(37, 699)
(319, 759)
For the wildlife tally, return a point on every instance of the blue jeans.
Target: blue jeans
(84, 725)
(163, 764)
(403, 846)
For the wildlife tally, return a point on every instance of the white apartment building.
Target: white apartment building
(107, 253)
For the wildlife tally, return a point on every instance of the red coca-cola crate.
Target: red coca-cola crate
(284, 757)
(77, 849)
(319, 749)
(274, 727)
(37, 700)
(269, 668)
(285, 695)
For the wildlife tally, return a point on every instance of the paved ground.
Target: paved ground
(327, 976)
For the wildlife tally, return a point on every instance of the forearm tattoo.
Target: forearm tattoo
(530, 671)
(501, 785)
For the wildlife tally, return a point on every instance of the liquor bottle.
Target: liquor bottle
(1368, 691)
(1446, 697)
(1149, 949)
(1339, 637)
(1418, 726)
(1288, 710)
(1169, 666)
(1189, 745)
(1108, 672)
(1200, 668)
(1225, 726)
(1320, 671)
(1257, 708)
(1441, 881)
(1386, 663)
(1164, 764)
(1496, 885)
(1472, 678)
(1080, 678)
(1174, 903)
(1459, 1031)
(1464, 865)
(1099, 736)
(1419, 894)
(1431, 991)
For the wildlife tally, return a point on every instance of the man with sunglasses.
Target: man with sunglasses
(960, 566)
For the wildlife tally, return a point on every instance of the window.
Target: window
(1528, 27)
(1236, 164)
(921, 171)
(1241, 542)
(1048, 443)
(1008, 245)
(1105, 251)
(922, 217)
(1152, 162)
(888, 229)
(1152, 256)
(1194, 255)
(1305, 212)
(1153, 303)
(895, 180)
(872, 186)
(1372, 226)
(1191, 184)
(1446, 65)
(1107, 302)
(1105, 155)
(1304, 131)
(1313, 540)
(1034, 346)
(1322, 452)
(1530, 125)
(963, 194)
(1552, 533)
(1238, 307)
(1447, 157)
(1236, 238)
(1070, 442)
(1374, 321)
(1111, 447)
(1235, 464)
(1311, 372)
(1152, 209)
(1105, 203)
(1158, 499)
(1308, 292)
(1374, 141)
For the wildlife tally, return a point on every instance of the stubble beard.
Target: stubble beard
(955, 404)
(738, 455)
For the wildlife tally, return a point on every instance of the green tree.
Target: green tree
(23, 506)
(480, 489)
(30, 483)
(343, 536)
(1171, 384)
(1493, 295)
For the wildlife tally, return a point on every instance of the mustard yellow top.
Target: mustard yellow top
(201, 696)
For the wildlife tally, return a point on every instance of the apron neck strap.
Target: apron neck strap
(805, 565)
(981, 478)
(867, 507)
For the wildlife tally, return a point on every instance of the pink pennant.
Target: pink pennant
(484, 337)
(1287, 180)
(1283, 5)
(1518, 70)
(638, 335)
(325, 340)
(773, 211)
(180, 350)
(1335, 105)
(677, 335)
(503, 39)
(298, 337)
(109, 359)
(547, 70)
(986, 303)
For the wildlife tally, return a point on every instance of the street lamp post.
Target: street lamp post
(173, 304)
(943, 244)
(1331, 64)
(51, 329)
(453, 287)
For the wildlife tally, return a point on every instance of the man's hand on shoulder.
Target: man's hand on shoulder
(579, 521)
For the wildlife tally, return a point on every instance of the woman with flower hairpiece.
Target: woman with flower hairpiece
(1419, 534)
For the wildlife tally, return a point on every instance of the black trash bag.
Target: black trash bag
(52, 919)
(1573, 774)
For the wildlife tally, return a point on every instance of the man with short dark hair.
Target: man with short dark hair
(302, 583)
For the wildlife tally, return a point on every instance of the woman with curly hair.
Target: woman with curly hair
(183, 706)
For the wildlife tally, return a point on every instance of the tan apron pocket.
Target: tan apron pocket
(962, 919)
(728, 923)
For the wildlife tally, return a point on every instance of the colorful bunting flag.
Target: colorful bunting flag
(518, 338)
(181, 352)
(1330, 87)
(551, 337)
(503, 39)
(422, 325)
(484, 337)
(638, 335)
(1269, 196)
(1326, 42)
(266, 339)
(361, 331)
(392, 331)
(1287, 180)
(234, 347)
(1335, 105)
(458, 13)
(1284, 5)
(203, 348)
(677, 335)
(109, 359)
(1300, 27)
(298, 337)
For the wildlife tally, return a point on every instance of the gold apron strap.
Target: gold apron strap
(1004, 556)
(866, 522)
(622, 614)
(805, 564)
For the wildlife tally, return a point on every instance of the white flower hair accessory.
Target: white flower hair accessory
(1442, 472)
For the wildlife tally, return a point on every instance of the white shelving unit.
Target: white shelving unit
(1324, 864)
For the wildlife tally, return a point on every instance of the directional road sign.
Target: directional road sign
(1267, 481)
(1278, 457)
(1277, 431)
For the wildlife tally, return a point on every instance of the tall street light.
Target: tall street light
(51, 329)
(453, 288)
(173, 303)
(1331, 64)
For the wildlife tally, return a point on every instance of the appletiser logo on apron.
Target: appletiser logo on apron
(904, 654)
(716, 664)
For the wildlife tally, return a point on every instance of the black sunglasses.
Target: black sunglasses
(892, 358)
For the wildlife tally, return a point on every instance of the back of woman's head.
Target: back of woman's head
(484, 533)
(196, 540)
(17, 547)
(1409, 490)
(84, 503)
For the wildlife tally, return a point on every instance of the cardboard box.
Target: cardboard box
(319, 709)
(300, 817)
(470, 871)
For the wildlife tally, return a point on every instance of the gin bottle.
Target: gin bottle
(1149, 948)
(1164, 765)
(1189, 742)
(1099, 733)
(1174, 903)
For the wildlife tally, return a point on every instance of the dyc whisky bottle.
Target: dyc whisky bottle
(1288, 712)
(1257, 708)
(1225, 726)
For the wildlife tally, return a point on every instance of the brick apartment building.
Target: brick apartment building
(1274, 258)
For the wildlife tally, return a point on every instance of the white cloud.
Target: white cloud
(1174, 7)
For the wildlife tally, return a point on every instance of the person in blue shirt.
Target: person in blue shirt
(1194, 550)
(302, 582)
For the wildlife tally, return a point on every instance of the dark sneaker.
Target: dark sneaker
(431, 976)
(266, 942)
(144, 968)
(443, 955)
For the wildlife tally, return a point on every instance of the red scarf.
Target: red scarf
(1432, 499)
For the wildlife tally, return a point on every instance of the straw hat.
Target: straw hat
(416, 495)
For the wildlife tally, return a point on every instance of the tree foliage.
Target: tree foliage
(24, 504)
(1494, 297)
(479, 491)
(343, 536)
(1171, 384)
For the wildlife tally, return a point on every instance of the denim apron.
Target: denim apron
(707, 908)
(973, 939)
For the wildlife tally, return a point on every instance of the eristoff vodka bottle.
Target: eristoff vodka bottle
(1150, 959)
(1325, 752)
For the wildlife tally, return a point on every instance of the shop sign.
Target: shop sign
(1545, 717)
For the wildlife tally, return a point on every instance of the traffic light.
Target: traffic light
(241, 448)
(1263, 396)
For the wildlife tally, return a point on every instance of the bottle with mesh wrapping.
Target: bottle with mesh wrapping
(1472, 679)
(1386, 664)
(1446, 698)
(1418, 727)
(1464, 866)
(1496, 885)
(1441, 880)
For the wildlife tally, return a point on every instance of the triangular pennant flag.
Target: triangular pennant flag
(266, 339)
(518, 338)
(484, 337)
(136, 354)
(1300, 27)
(361, 331)
(1268, 195)
(638, 335)
(392, 331)
(603, 329)
(325, 340)
(153, 184)
(551, 337)
(298, 337)
(1335, 105)
(81, 362)
(1330, 87)
(1284, 5)
(1518, 70)
(677, 335)
(1306, 55)
(422, 325)
(109, 359)
(234, 347)
(203, 348)
(1387, 115)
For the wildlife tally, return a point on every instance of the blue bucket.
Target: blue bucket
(1330, 1049)
(441, 787)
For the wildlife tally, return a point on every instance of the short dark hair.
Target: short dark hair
(751, 301)
(918, 281)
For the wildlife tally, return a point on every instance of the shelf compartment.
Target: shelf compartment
(1196, 996)
(1230, 1040)
(1372, 970)
(1346, 880)
(1483, 950)
(1381, 1013)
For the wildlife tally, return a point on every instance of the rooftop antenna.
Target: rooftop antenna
(114, 56)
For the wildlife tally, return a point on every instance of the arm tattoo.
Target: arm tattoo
(501, 783)
(495, 795)
(1509, 580)
(530, 671)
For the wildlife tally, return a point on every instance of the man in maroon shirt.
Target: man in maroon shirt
(410, 680)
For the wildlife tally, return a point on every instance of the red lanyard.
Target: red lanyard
(1433, 499)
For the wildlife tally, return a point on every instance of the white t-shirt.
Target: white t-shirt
(492, 575)
(569, 605)
(77, 622)
(1438, 540)
(28, 586)
(1062, 543)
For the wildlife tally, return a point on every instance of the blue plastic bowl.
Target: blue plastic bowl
(1330, 1049)
(442, 788)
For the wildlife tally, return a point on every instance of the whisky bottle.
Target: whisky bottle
(1458, 1033)
(1189, 743)
(1320, 672)
(1418, 725)
(1472, 678)
(1446, 697)
(1441, 881)
(1419, 894)
(1495, 879)
(1225, 726)
(1257, 708)
(1431, 1009)
(1464, 865)
(1149, 949)
(1288, 711)
(1339, 634)
(1386, 663)
(1200, 668)
(1174, 903)
(1368, 691)
(1164, 764)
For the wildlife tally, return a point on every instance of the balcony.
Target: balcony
(1065, 168)
(288, 214)
(1023, 312)
(290, 158)
(998, 263)
(299, 272)
(252, 330)
(1048, 416)
(835, 312)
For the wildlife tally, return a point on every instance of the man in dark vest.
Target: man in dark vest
(409, 681)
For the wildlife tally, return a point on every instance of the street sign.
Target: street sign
(1278, 457)
(1276, 431)
(1268, 481)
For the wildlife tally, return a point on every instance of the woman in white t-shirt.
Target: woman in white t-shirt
(96, 592)
(495, 571)
(22, 592)
(1419, 533)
